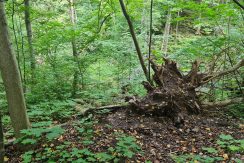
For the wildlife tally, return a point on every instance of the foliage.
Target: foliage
(38, 130)
(107, 63)
(225, 142)
(125, 147)
(230, 144)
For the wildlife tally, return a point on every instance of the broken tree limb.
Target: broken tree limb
(207, 105)
(222, 73)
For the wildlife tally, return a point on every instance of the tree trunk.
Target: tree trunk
(132, 32)
(11, 78)
(198, 31)
(74, 49)
(166, 34)
(177, 26)
(2, 151)
(30, 40)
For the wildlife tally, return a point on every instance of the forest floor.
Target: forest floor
(158, 138)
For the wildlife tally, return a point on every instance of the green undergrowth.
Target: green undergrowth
(237, 111)
(226, 146)
(54, 147)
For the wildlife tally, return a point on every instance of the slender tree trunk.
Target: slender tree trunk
(177, 26)
(198, 32)
(19, 27)
(2, 151)
(150, 40)
(143, 17)
(74, 49)
(132, 32)
(166, 34)
(30, 40)
(11, 78)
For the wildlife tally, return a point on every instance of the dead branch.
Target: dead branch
(207, 105)
(222, 73)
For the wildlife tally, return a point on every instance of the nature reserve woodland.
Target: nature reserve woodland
(144, 81)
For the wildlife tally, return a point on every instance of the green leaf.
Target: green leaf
(29, 141)
(210, 150)
(129, 154)
(233, 148)
(104, 157)
(221, 143)
(226, 137)
(87, 142)
(27, 157)
(54, 133)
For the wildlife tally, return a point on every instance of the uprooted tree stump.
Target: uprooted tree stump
(175, 94)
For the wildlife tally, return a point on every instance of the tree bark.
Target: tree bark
(11, 78)
(2, 151)
(132, 32)
(74, 49)
(166, 34)
(30, 40)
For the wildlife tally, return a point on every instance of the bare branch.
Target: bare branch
(239, 4)
(224, 103)
(222, 73)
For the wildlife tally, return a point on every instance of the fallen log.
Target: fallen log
(175, 93)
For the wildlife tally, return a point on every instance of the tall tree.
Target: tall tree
(74, 48)
(166, 34)
(1, 141)
(11, 78)
(30, 40)
(132, 32)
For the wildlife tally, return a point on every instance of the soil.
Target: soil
(157, 136)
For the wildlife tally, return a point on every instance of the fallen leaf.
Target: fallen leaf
(241, 126)
(195, 129)
(61, 138)
(194, 150)
(225, 156)
(208, 129)
(6, 159)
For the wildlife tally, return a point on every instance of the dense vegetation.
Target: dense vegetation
(75, 55)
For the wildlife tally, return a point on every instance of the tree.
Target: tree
(166, 34)
(29, 37)
(1, 141)
(138, 50)
(177, 93)
(11, 78)
(74, 48)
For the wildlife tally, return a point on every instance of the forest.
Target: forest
(143, 81)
